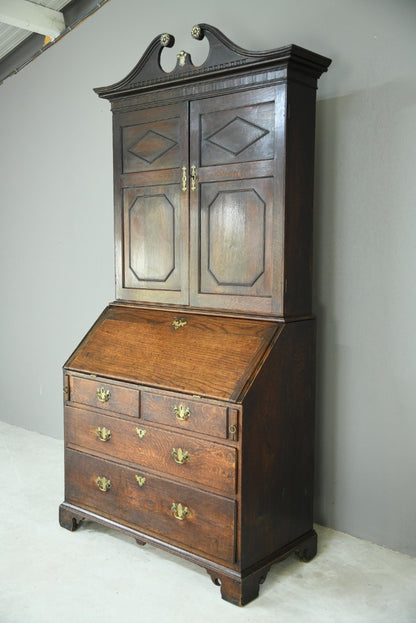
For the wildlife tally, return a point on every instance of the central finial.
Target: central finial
(182, 57)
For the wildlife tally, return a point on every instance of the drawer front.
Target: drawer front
(200, 521)
(102, 395)
(186, 414)
(198, 461)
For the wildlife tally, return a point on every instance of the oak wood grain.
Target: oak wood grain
(209, 356)
(124, 400)
(213, 187)
(201, 417)
(209, 528)
(208, 463)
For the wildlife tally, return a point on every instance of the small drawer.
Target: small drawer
(174, 513)
(103, 395)
(195, 460)
(192, 415)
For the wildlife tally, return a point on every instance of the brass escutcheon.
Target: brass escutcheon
(103, 434)
(180, 456)
(103, 483)
(182, 413)
(103, 394)
(178, 323)
(140, 432)
(140, 480)
(179, 512)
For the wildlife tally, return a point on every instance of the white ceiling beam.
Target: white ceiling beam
(33, 17)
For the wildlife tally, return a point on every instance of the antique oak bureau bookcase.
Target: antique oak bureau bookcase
(189, 403)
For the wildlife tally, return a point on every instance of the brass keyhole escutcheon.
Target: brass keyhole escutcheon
(103, 483)
(140, 432)
(103, 434)
(182, 413)
(180, 455)
(140, 480)
(178, 323)
(103, 394)
(179, 511)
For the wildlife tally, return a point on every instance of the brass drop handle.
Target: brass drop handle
(103, 434)
(103, 483)
(184, 180)
(193, 177)
(182, 413)
(179, 511)
(103, 394)
(180, 456)
(140, 432)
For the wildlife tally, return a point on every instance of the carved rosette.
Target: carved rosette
(197, 33)
(166, 40)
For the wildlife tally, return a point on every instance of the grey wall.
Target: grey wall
(56, 232)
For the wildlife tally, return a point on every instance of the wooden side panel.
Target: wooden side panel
(278, 447)
(300, 147)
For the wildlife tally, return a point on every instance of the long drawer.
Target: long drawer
(195, 460)
(175, 513)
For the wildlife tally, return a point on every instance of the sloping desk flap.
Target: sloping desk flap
(206, 355)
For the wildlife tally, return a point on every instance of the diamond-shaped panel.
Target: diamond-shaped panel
(237, 135)
(151, 146)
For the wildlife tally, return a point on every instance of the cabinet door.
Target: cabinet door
(235, 209)
(151, 206)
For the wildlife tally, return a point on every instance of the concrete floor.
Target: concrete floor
(50, 575)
